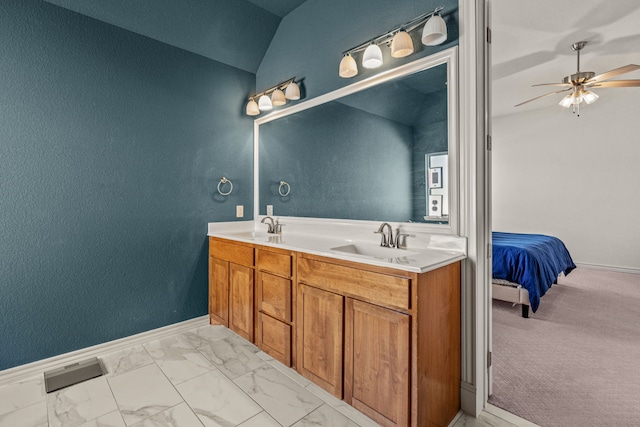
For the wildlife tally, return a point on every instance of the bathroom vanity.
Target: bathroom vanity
(379, 330)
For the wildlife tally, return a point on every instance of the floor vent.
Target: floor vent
(73, 374)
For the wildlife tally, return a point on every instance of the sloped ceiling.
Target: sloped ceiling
(234, 32)
(531, 44)
(278, 7)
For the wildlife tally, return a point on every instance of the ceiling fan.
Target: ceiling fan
(581, 82)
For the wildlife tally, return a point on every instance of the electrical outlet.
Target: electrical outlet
(239, 211)
(269, 210)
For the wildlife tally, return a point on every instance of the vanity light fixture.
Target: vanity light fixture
(274, 96)
(433, 33)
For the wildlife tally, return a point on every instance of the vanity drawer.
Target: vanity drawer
(274, 262)
(274, 337)
(382, 289)
(236, 253)
(274, 296)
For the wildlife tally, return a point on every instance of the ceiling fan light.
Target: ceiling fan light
(576, 98)
(566, 101)
(589, 97)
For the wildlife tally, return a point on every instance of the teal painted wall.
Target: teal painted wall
(234, 32)
(111, 146)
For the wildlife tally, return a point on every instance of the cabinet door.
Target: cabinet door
(219, 291)
(320, 328)
(274, 296)
(241, 300)
(377, 361)
(274, 337)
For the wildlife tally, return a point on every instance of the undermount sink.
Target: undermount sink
(372, 251)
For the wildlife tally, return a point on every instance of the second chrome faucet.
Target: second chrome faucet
(387, 239)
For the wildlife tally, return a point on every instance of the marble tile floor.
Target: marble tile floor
(206, 377)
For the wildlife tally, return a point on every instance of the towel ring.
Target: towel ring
(224, 180)
(281, 190)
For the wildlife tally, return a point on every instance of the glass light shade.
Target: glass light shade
(292, 91)
(589, 97)
(278, 98)
(401, 45)
(435, 31)
(372, 57)
(566, 101)
(252, 108)
(576, 98)
(348, 67)
(264, 103)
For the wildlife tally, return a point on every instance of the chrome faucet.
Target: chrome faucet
(275, 227)
(387, 239)
(271, 228)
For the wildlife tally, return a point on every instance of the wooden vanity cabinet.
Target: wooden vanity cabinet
(231, 286)
(274, 327)
(386, 341)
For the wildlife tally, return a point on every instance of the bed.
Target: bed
(525, 266)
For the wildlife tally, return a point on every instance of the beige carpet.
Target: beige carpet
(576, 361)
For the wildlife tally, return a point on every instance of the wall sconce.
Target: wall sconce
(275, 96)
(399, 39)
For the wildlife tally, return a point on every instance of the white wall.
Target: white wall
(577, 178)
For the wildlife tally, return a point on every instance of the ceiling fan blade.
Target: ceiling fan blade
(553, 84)
(617, 83)
(614, 73)
(542, 96)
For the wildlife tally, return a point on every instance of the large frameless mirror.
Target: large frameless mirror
(383, 149)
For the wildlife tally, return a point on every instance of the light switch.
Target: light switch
(269, 210)
(239, 211)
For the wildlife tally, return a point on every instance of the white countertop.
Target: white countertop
(424, 252)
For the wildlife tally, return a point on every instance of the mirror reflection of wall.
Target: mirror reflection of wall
(361, 156)
(437, 192)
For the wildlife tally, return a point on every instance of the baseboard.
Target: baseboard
(508, 416)
(630, 270)
(469, 399)
(28, 370)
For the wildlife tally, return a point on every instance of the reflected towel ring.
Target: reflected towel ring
(281, 190)
(224, 180)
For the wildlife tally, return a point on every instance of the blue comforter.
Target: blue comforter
(531, 260)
